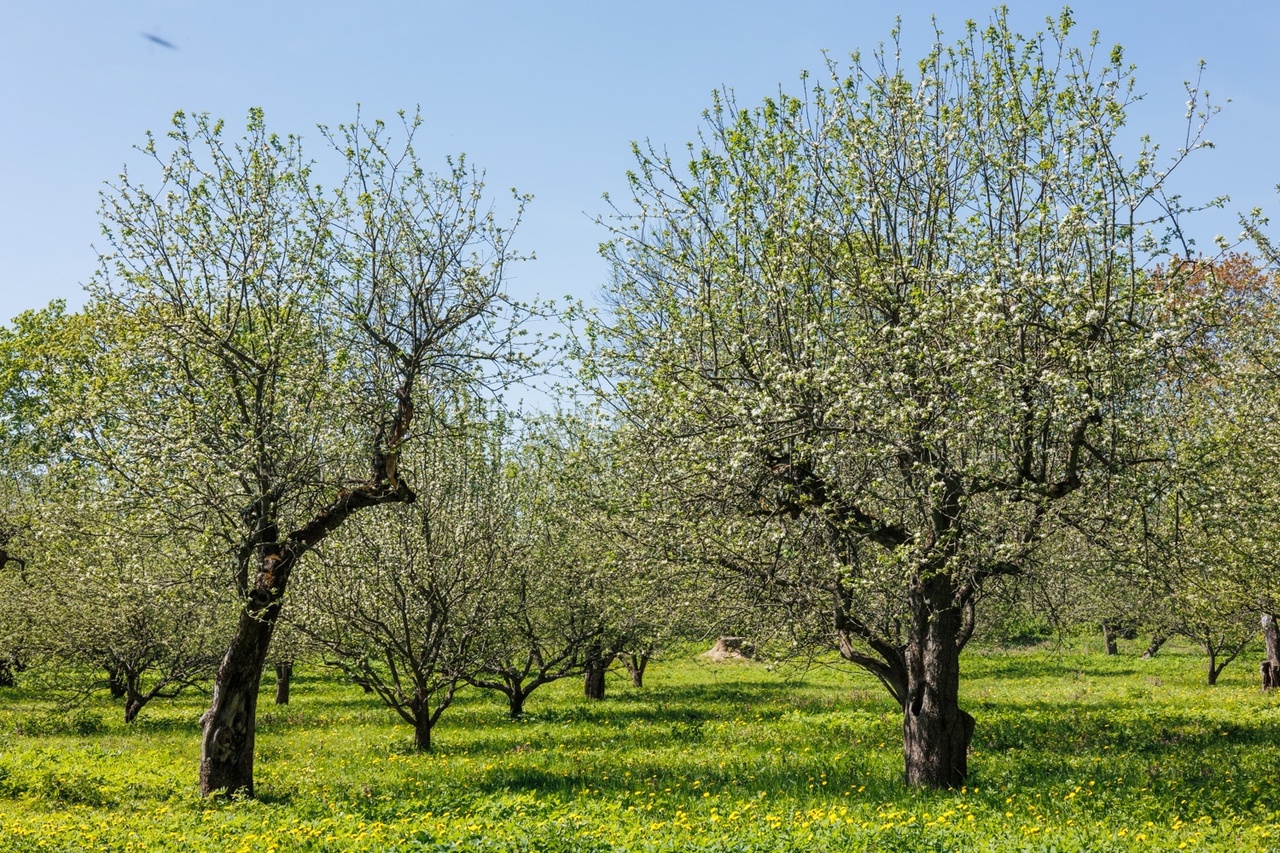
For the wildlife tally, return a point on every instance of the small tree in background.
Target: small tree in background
(404, 601)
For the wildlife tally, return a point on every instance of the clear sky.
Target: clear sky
(545, 96)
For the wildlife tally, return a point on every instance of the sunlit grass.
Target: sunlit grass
(1073, 751)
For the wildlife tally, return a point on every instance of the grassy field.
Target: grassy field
(1073, 751)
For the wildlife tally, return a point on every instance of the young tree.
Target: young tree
(147, 615)
(257, 382)
(1221, 501)
(892, 334)
(400, 601)
(1263, 390)
(569, 595)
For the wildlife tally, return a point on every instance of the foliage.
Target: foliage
(404, 602)
(265, 345)
(893, 336)
(1193, 551)
(585, 588)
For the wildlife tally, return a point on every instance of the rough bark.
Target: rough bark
(1158, 639)
(1109, 637)
(284, 673)
(593, 681)
(515, 703)
(936, 732)
(636, 663)
(1271, 639)
(226, 749)
(422, 722)
(115, 681)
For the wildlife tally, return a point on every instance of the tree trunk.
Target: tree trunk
(115, 682)
(1271, 637)
(593, 681)
(226, 749)
(635, 664)
(515, 703)
(936, 732)
(6, 673)
(1213, 667)
(1109, 636)
(284, 672)
(420, 708)
(1157, 640)
(422, 732)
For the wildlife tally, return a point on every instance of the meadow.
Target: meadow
(1074, 751)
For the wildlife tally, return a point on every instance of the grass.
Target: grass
(1073, 751)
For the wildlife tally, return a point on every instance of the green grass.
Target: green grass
(1073, 751)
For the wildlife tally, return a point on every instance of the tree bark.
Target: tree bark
(1271, 665)
(226, 748)
(284, 673)
(515, 703)
(936, 732)
(593, 681)
(1109, 636)
(115, 682)
(635, 664)
(1157, 640)
(422, 730)
(6, 673)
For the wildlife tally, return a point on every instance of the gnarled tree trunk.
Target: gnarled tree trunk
(132, 707)
(226, 749)
(936, 732)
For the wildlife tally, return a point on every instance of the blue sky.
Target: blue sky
(545, 96)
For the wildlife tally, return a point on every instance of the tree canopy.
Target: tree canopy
(896, 331)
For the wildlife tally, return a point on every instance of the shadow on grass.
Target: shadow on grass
(1114, 726)
(741, 732)
(640, 743)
